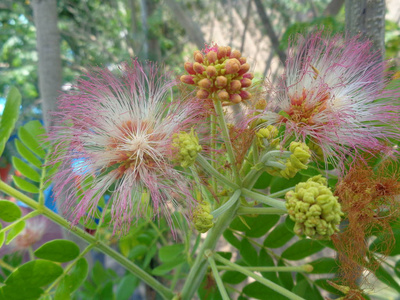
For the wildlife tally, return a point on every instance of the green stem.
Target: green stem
(220, 210)
(303, 268)
(251, 178)
(42, 181)
(264, 199)
(5, 265)
(244, 210)
(217, 278)
(227, 140)
(213, 144)
(26, 217)
(123, 261)
(281, 193)
(199, 267)
(207, 167)
(262, 280)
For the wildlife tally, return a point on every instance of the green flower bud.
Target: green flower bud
(314, 209)
(266, 135)
(202, 217)
(186, 146)
(297, 161)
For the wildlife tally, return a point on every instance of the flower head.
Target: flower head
(219, 73)
(329, 96)
(121, 129)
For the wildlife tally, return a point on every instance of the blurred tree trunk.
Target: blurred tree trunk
(270, 30)
(367, 18)
(333, 7)
(144, 16)
(48, 47)
(183, 17)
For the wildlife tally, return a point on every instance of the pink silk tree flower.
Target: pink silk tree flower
(333, 96)
(114, 136)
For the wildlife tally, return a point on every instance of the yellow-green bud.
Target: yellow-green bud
(314, 209)
(202, 217)
(298, 160)
(187, 147)
(316, 150)
(267, 134)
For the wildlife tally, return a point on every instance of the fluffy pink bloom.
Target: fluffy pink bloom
(114, 136)
(332, 94)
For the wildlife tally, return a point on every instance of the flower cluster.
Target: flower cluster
(314, 208)
(219, 73)
(329, 96)
(187, 147)
(202, 217)
(120, 129)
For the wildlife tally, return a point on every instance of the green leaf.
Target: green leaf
(31, 141)
(27, 154)
(302, 288)
(279, 183)
(137, 252)
(12, 234)
(285, 278)
(325, 265)
(58, 250)
(168, 266)
(397, 268)
(249, 254)
(9, 211)
(106, 292)
(278, 237)
(35, 273)
(126, 287)
(379, 244)
(2, 236)
(263, 181)
(387, 278)
(302, 249)
(9, 116)
(170, 252)
(323, 283)
(25, 169)
(234, 277)
(71, 282)
(231, 238)
(25, 185)
(150, 254)
(99, 275)
(257, 226)
(259, 291)
(18, 292)
(266, 260)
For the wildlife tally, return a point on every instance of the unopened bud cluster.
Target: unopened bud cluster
(202, 217)
(266, 137)
(314, 209)
(187, 147)
(220, 73)
(297, 161)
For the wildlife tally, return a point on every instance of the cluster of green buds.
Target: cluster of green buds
(297, 161)
(316, 150)
(266, 137)
(202, 217)
(219, 73)
(186, 146)
(314, 209)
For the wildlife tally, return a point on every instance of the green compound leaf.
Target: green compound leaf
(25, 185)
(248, 252)
(9, 116)
(278, 237)
(36, 273)
(17, 292)
(302, 249)
(9, 211)
(71, 282)
(25, 169)
(28, 135)
(325, 265)
(12, 234)
(27, 154)
(58, 250)
(126, 287)
(254, 226)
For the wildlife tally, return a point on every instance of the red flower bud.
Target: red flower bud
(223, 95)
(235, 98)
(198, 68)
(245, 82)
(221, 52)
(189, 68)
(244, 68)
(211, 57)
(198, 56)
(205, 83)
(235, 85)
(245, 95)
(236, 54)
(232, 66)
(211, 71)
(188, 79)
(221, 81)
(248, 75)
(242, 60)
(202, 94)
(228, 51)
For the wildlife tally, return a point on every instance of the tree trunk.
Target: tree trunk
(48, 47)
(333, 8)
(367, 18)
